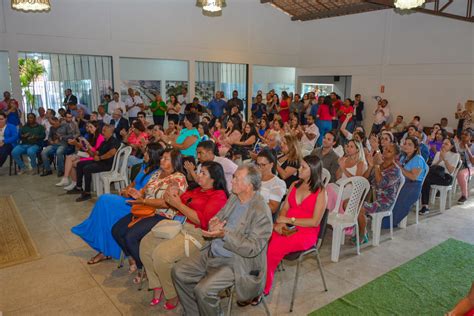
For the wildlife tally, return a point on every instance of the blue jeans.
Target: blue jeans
(30, 150)
(59, 151)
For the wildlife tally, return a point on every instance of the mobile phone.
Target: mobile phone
(290, 227)
(180, 218)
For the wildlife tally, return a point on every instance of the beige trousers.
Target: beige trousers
(159, 255)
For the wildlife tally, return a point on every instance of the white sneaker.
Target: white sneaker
(63, 182)
(71, 186)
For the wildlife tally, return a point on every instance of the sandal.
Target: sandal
(139, 278)
(95, 259)
(156, 301)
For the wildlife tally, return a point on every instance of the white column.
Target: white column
(116, 70)
(191, 79)
(250, 91)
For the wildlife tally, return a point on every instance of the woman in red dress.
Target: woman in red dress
(284, 108)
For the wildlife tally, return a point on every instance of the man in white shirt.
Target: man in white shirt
(309, 135)
(116, 104)
(133, 105)
(381, 115)
(205, 152)
(102, 115)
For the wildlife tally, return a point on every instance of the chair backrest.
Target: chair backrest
(402, 183)
(458, 167)
(120, 159)
(322, 229)
(326, 177)
(360, 188)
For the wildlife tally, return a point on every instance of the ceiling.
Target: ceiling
(305, 10)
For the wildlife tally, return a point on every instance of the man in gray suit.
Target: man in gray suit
(236, 251)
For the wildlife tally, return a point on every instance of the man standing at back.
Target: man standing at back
(133, 105)
(69, 98)
(359, 110)
(116, 104)
(235, 254)
(235, 101)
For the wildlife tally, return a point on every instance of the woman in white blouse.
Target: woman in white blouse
(441, 171)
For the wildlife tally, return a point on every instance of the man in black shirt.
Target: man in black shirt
(359, 108)
(103, 160)
(235, 101)
(194, 107)
(69, 98)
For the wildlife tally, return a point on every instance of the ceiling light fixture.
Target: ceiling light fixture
(408, 4)
(31, 5)
(211, 7)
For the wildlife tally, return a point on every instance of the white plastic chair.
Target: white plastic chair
(118, 174)
(378, 217)
(444, 190)
(360, 188)
(326, 177)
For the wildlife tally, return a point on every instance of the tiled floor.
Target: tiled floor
(62, 283)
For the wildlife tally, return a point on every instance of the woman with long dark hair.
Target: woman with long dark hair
(173, 109)
(297, 225)
(86, 148)
(247, 141)
(149, 207)
(284, 107)
(109, 208)
(231, 135)
(199, 205)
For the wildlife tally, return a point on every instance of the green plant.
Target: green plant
(30, 70)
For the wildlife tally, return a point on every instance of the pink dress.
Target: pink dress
(303, 239)
(98, 142)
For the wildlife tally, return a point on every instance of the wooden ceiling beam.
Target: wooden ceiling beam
(346, 10)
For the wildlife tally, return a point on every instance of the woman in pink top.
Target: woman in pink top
(86, 149)
(137, 136)
(284, 107)
(297, 226)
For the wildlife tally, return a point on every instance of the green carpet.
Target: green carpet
(430, 284)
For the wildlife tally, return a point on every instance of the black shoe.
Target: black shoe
(424, 211)
(60, 174)
(84, 197)
(462, 199)
(46, 173)
(76, 190)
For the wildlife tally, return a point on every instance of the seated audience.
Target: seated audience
(297, 225)
(242, 147)
(441, 171)
(398, 127)
(204, 133)
(199, 205)
(436, 143)
(206, 152)
(288, 162)
(149, 207)
(444, 125)
(136, 137)
(466, 151)
(119, 123)
(232, 134)
(188, 137)
(235, 253)
(384, 176)
(96, 230)
(273, 188)
(8, 138)
(414, 169)
(102, 161)
(327, 155)
(31, 141)
(86, 149)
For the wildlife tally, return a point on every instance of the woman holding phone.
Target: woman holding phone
(86, 149)
(198, 205)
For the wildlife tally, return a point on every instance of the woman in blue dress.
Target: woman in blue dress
(109, 208)
(414, 168)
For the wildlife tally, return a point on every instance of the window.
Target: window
(89, 78)
(266, 78)
(5, 81)
(211, 77)
(320, 89)
(150, 76)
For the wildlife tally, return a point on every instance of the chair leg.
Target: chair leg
(403, 223)
(357, 239)
(450, 198)
(295, 284)
(267, 311)
(321, 270)
(417, 210)
(391, 225)
(376, 229)
(442, 202)
(121, 261)
(336, 243)
(231, 298)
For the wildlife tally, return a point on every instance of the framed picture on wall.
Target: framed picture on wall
(174, 87)
(145, 88)
(205, 91)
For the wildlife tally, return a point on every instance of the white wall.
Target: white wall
(426, 63)
(5, 83)
(263, 76)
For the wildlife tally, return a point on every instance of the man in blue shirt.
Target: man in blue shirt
(217, 105)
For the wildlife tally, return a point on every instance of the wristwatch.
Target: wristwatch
(293, 220)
